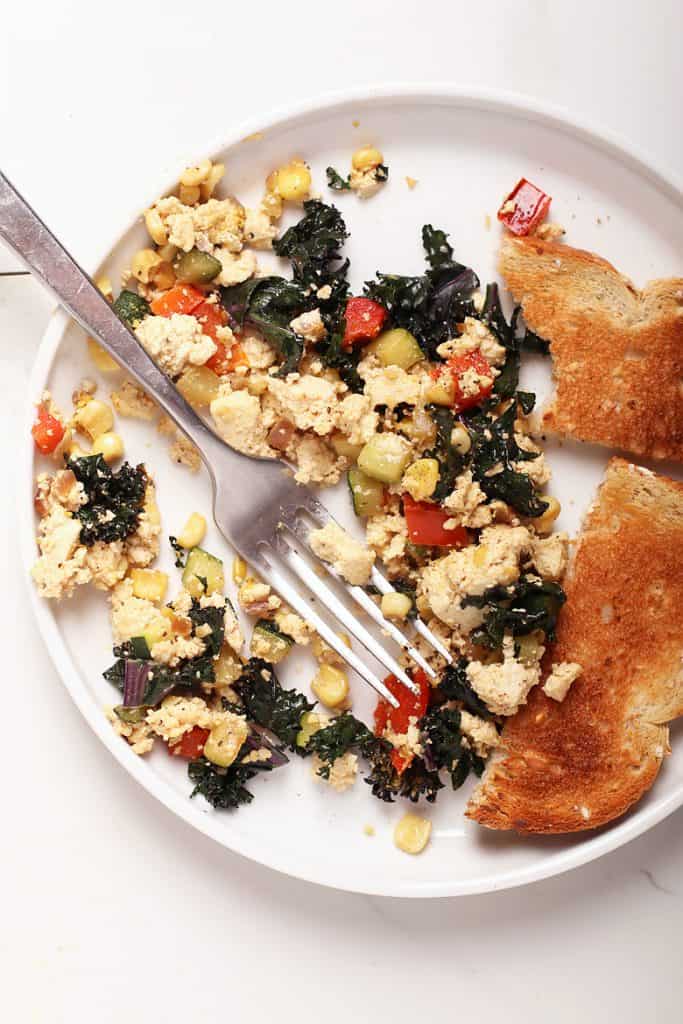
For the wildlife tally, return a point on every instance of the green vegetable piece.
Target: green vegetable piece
(203, 573)
(268, 704)
(115, 499)
(384, 458)
(310, 724)
(335, 180)
(397, 347)
(197, 267)
(269, 643)
(367, 494)
(131, 308)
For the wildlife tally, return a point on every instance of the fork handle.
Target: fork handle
(23, 230)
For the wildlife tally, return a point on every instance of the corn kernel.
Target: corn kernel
(460, 439)
(239, 570)
(143, 263)
(224, 741)
(109, 446)
(199, 386)
(104, 285)
(395, 605)
(155, 227)
(162, 276)
(412, 833)
(189, 194)
(480, 555)
(441, 391)
(193, 176)
(207, 187)
(193, 531)
(149, 584)
(330, 686)
(366, 159)
(420, 479)
(544, 522)
(293, 181)
(101, 358)
(93, 418)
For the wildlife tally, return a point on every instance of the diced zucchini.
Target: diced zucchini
(397, 347)
(131, 308)
(197, 267)
(367, 494)
(203, 573)
(156, 630)
(198, 385)
(344, 448)
(442, 390)
(131, 716)
(310, 724)
(228, 668)
(384, 457)
(269, 643)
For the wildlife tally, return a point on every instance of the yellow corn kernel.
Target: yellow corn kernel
(109, 446)
(189, 194)
(143, 263)
(155, 227)
(101, 358)
(293, 181)
(460, 439)
(149, 584)
(93, 418)
(199, 385)
(330, 686)
(480, 555)
(441, 391)
(366, 159)
(224, 741)
(395, 605)
(207, 187)
(421, 478)
(239, 570)
(104, 285)
(194, 176)
(162, 276)
(544, 522)
(193, 531)
(412, 833)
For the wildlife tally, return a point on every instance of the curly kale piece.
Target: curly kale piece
(313, 245)
(454, 685)
(179, 551)
(444, 747)
(520, 608)
(343, 734)
(223, 788)
(131, 308)
(270, 304)
(335, 180)
(268, 704)
(115, 498)
(451, 462)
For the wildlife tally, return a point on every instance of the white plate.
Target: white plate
(466, 151)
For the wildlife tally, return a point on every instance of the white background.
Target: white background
(111, 908)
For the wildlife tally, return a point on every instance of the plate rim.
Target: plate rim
(330, 103)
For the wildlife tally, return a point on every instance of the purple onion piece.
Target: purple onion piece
(134, 683)
(256, 739)
(428, 758)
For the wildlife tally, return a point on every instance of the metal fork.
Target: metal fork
(258, 507)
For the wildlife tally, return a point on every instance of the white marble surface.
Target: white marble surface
(111, 908)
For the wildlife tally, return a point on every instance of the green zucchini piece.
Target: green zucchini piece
(203, 573)
(384, 457)
(397, 347)
(197, 267)
(367, 494)
(269, 643)
(131, 308)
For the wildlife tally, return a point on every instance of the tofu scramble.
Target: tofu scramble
(410, 391)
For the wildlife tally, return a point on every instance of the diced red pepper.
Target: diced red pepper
(458, 366)
(211, 316)
(364, 320)
(184, 298)
(524, 208)
(224, 361)
(191, 744)
(425, 524)
(47, 431)
(410, 705)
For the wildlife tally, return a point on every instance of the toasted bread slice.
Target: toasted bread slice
(579, 764)
(617, 352)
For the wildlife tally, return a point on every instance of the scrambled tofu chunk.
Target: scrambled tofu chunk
(236, 267)
(218, 222)
(561, 677)
(387, 535)
(356, 418)
(309, 402)
(316, 462)
(62, 562)
(476, 336)
(549, 555)
(347, 556)
(175, 342)
(309, 326)
(178, 715)
(503, 686)
(258, 230)
(481, 735)
(239, 421)
(467, 504)
(392, 386)
(130, 400)
(130, 615)
(343, 771)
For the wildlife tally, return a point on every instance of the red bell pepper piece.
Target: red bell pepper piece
(184, 298)
(47, 431)
(224, 361)
(524, 207)
(191, 744)
(426, 525)
(364, 320)
(410, 705)
(458, 366)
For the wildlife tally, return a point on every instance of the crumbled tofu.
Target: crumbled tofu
(62, 562)
(257, 598)
(293, 625)
(309, 402)
(536, 469)
(365, 183)
(465, 503)
(238, 419)
(343, 771)
(550, 231)
(347, 556)
(392, 386)
(130, 615)
(503, 686)
(356, 418)
(472, 383)
(175, 648)
(407, 743)
(482, 735)
(138, 734)
(216, 222)
(142, 547)
(476, 336)
(561, 677)
(235, 267)
(258, 230)
(317, 463)
(549, 555)
(175, 342)
(184, 453)
(178, 715)
(232, 632)
(494, 561)
(106, 563)
(309, 326)
(260, 354)
(130, 400)
(387, 535)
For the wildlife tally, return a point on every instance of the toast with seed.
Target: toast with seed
(617, 352)
(565, 767)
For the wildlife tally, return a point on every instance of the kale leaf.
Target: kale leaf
(313, 245)
(115, 498)
(520, 608)
(444, 747)
(131, 308)
(179, 551)
(344, 361)
(344, 733)
(454, 685)
(335, 180)
(270, 304)
(223, 788)
(451, 462)
(268, 704)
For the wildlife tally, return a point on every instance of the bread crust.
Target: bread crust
(580, 764)
(617, 352)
